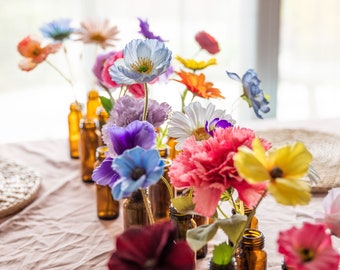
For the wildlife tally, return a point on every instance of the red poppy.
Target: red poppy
(207, 42)
(153, 247)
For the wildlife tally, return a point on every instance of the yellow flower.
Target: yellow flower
(194, 65)
(283, 168)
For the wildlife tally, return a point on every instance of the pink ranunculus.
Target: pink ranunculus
(99, 65)
(106, 78)
(308, 248)
(331, 214)
(137, 90)
(207, 42)
(152, 247)
(208, 167)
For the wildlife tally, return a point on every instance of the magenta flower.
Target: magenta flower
(153, 247)
(207, 42)
(208, 167)
(331, 214)
(308, 248)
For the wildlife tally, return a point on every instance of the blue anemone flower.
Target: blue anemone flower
(144, 61)
(252, 92)
(138, 168)
(58, 30)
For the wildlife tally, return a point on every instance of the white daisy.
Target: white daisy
(192, 122)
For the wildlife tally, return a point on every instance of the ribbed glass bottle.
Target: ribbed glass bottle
(251, 254)
(107, 207)
(134, 211)
(73, 118)
(89, 141)
(159, 194)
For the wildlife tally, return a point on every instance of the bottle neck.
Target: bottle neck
(175, 215)
(252, 239)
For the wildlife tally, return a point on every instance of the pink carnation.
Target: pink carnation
(208, 167)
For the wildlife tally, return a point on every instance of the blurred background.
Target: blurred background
(292, 45)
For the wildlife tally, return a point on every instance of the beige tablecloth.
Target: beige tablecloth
(60, 229)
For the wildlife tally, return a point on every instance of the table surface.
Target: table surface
(60, 228)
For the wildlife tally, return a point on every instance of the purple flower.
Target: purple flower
(211, 126)
(128, 109)
(252, 92)
(152, 247)
(118, 140)
(99, 65)
(144, 30)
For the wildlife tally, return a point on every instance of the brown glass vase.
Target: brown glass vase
(73, 118)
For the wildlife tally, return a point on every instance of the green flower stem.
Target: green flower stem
(168, 187)
(147, 206)
(221, 211)
(251, 215)
(62, 75)
(183, 96)
(146, 102)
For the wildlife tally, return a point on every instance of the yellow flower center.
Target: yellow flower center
(276, 172)
(306, 255)
(98, 37)
(137, 173)
(200, 134)
(143, 65)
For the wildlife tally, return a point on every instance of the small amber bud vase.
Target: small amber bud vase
(93, 102)
(107, 207)
(74, 117)
(89, 141)
(134, 211)
(172, 147)
(201, 220)
(252, 254)
(103, 116)
(159, 193)
(183, 222)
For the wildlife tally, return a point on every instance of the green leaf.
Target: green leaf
(201, 235)
(233, 227)
(222, 254)
(107, 103)
(183, 204)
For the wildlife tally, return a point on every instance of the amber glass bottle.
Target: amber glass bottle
(230, 266)
(252, 254)
(201, 220)
(107, 207)
(172, 147)
(89, 141)
(134, 211)
(74, 117)
(93, 102)
(183, 222)
(159, 194)
(103, 116)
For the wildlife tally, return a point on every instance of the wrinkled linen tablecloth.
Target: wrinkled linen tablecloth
(60, 228)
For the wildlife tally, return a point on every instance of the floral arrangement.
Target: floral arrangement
(217, 161)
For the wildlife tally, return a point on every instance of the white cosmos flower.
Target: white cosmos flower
(192, 122)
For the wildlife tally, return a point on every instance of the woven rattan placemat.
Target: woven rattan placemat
(19, 186)
(325, 148)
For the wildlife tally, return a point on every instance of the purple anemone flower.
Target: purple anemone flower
(118, 140)
(216, 123)
(145, 31)
(252, 92)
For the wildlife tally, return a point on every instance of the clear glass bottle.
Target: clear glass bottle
(201, 220)
(93, 102)
(183, 222)
(251, 254)
(89, 141)
(134, 211)
(107, 207)
(74, 118)
(159, 195)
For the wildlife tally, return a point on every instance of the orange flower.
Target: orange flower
(30, 48)
(198, 86)
(100, 33)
